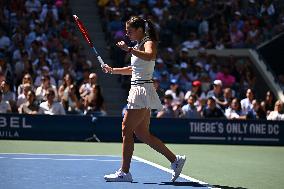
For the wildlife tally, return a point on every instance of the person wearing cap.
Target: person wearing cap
(176, 92)
(184, 78)
(159, 68)
(164, 80)
(197, 91)
(216, 93)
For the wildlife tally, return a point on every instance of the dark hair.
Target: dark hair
(138, 22)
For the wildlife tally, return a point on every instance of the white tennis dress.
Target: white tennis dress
(142, 93)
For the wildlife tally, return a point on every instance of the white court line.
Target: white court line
(57, 159)
(134, 157)
(79, 155)
(170, 171)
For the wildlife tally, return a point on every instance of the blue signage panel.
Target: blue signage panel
(46, 127)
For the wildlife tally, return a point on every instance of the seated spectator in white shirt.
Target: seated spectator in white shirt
(27, 79)
(276, 114)
(31, 106)
(86, 88)
(190, 110)
(45, 85)
(176, 92)
(234, 111)
(8, 95)
(4, 105)
(50, 106)
(246, 103)
(22, 98)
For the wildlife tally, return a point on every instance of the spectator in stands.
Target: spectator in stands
(197, 92)
(44, 71)
(227, 96)
(23, 66)
(94, 102)
(211, 110)
(70, 101)
(277, 113)
(225, 76)
(257, 112)
(22, 98)
(50, 106)
(236, 36)
(86, 88)
(269, 101)
(63, 90)
(8, 95)
(27, 79)
(216, 93)
(184, 78)
(4, 105)
(160, 91)
(246, 103)
(168, 109)
(31, 106)
(44, 87)
(164, 81)
(190, 110)
(234, 111)
(176, 92)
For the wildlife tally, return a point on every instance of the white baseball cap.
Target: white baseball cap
(217, 82)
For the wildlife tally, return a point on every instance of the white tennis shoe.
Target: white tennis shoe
(119, 176)
(177, 167)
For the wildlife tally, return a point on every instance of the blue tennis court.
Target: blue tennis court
(46, 171)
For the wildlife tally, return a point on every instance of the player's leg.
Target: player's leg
(131, 120)
(142, 133)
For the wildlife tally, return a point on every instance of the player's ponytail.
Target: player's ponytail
(147, 26)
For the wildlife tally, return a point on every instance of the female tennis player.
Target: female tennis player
(142, 98)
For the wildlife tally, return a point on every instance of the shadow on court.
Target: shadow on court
(192, 184)
(228, 187)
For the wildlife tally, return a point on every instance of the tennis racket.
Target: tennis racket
(85, 34)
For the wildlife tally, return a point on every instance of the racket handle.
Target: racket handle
(101, 61)
(99, 57)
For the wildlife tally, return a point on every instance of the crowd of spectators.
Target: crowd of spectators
(43, 67)
(203, 86)
(44, 70)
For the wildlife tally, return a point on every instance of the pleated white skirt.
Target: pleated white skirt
(143, 96)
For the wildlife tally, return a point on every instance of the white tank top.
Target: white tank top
(141, 69)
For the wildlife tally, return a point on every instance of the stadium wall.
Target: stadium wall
(108, 129)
